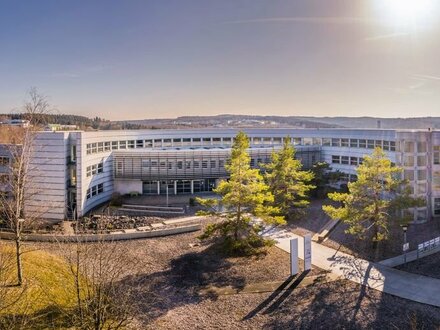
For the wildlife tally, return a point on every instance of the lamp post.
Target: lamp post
(404, 228)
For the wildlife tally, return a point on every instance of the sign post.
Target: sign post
(307, 252)
(293, 257)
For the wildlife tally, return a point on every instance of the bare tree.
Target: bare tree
(102, 301)
(19, 173)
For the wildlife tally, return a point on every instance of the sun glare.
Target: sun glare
(408, 12)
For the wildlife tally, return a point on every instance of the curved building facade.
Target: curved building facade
(83, 169)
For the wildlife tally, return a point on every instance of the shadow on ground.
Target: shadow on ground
(182, 282)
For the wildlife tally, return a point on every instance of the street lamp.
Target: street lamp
(405, 247)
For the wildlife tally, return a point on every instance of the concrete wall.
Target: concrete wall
(47, 176)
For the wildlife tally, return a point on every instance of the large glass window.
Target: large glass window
(362, 143)
(344, 142)
(354, 143)
(421, 146)
(336, 159)
(326, 141)
(336, 142)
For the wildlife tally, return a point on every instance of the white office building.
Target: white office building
(78, 171)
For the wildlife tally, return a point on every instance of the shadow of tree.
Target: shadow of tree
(182, 282)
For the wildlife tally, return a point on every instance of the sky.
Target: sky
(167, 58)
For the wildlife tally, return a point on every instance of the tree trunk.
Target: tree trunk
(18, 260)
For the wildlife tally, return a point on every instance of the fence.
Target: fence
(428, 246)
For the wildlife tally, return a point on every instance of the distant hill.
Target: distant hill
(290, 121)
(238, 121)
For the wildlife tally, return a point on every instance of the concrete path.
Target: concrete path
(414, 287)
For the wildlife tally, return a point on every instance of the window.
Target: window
(344, 142)
(4, 178)
(421, 175)
(277, 140)
(354, 143)
(94, 169)
(206, 141)
(326, 141)
(4, 161)
(188, 164)
(213, 163)
(139, 143)
(392, 146)
(119, 167)
(344, 160)
(114, 145)
(94, 148)
(106, 146)
(421, 146)
(221, 163)
(95, 190)
(307, 141)
(179, 165)
(196, 141)
(436, 206)
(378, 143)
(408, 160)
(227, 140)
(145, 163)
(196, 164)
(217, 141)
(336, 142)
(296, 141)
(100, 146)
(386, 145)
(257, 140)
(370, 144)
(186, 142)
(354, 161)
(362, 143)
(421, 214)
(148, 143)
(436, 155)
(204, 164)
(122, 144)
(408, 146)
(409, 175)
(336, 159)
(421, 160)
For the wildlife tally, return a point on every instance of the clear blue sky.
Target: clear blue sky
(165, 58)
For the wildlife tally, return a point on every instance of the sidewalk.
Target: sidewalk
(413, 287)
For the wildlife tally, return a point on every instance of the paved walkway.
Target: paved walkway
(414, 287)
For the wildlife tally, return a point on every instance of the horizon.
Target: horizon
(135, 60)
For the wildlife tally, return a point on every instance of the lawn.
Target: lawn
(48, 287)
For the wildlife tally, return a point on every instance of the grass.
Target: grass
(48, 285)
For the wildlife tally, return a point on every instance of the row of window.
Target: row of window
(94, 169)
(347, 160)
(353, 143)
(95, 190)
(98, 147)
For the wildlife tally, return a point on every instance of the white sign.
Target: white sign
(307, 252)
(293, 257)
(405, 247)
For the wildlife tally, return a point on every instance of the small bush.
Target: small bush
(192, 201)
(116, 199)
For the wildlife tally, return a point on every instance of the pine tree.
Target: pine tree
(376, 200)
(244, 195)
(289, 184)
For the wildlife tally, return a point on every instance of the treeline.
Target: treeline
(83, 123)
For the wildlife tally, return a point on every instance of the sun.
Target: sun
(408, 12)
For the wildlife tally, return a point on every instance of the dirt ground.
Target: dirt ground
(171, 274)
